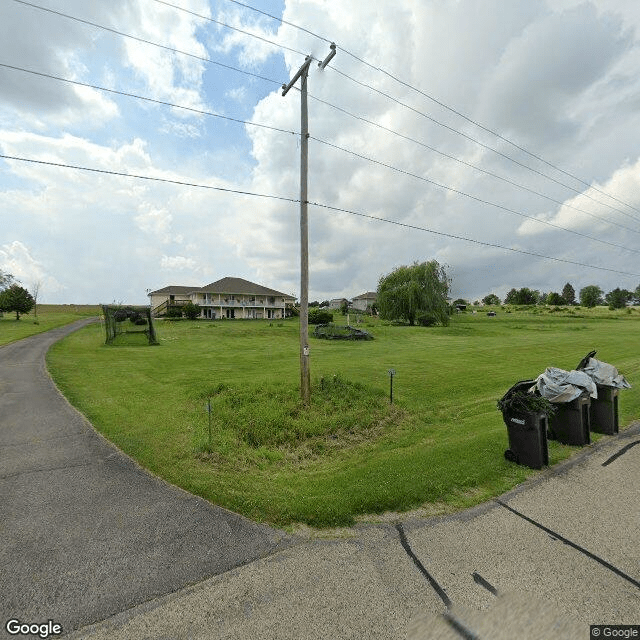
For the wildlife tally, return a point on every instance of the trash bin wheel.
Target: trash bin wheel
(511, 456)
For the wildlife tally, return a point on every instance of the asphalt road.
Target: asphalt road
(85, 532)
(99, 546)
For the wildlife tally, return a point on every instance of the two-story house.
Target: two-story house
(364, 300)
(225, 298)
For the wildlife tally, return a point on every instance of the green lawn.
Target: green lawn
(440, 445)
(48, 316)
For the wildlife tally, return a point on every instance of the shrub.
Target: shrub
(427, 320)
(191, 310)
(320, 316)
(174, 312)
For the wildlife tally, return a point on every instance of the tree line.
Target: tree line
(589, 296)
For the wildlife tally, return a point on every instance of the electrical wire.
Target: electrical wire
(314, 204)
(147, 99)
(472, 197)
(468, 164)
(441, 104)
(149, 178)
(472, 240)
(483, 145)
(149, 42)
(228, 26)
(329, 144)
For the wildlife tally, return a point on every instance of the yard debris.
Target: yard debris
(605, 374)
(558, 385)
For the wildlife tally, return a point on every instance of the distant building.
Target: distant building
(226, 298)
(364, 300)
(336, 303)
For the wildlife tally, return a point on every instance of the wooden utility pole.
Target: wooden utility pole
(303, 73)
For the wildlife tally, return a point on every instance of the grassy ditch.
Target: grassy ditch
(260, 453)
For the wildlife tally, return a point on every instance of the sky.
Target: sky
(498, 137)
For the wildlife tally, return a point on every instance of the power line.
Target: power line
(468, 164)
(482, 144)
(488, 130)
(174, 50)
(150, 178)
(150, 42)
(291, 24)
(199, 111)
(447, 107)
(147, 99)
(472, 197)
(372, 160)
(228, 26)
(472, 240)
(315, 204)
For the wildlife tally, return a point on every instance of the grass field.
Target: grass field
(49, 316)
(440, 445)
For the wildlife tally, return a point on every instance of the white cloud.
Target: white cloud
(560, 78)
(16, 259)
(178, 263)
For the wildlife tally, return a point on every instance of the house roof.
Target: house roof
(366, 296)
(225, 285)
(174, 289)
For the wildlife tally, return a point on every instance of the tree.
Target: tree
(344, 307)
(191, 310)
(511, 297)
(417, 290)
(35, 290)
(491, 299)
(618, 298)
(591, 296)
(522, 296)
(555, 298)
(16, 298)
(568, 294)
(6, 280)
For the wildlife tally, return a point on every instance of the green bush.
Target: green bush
(174, 312)
(427, 320)
(191, 310)
(320, 316)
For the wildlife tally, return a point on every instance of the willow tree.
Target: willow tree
(415, 293)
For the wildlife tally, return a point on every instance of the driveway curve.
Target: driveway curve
(85, 531)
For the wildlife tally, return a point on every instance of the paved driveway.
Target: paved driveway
(85, 532)
(92, 538)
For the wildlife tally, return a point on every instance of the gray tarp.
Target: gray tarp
(558, 385)
(605, 374)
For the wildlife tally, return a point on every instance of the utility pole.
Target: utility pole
(303, 72)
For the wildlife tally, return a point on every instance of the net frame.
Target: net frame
(121, 320)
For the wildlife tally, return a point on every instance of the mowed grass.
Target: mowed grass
(440, 445)
(49, 316)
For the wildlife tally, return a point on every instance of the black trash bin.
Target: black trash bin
(571, 422)
(527, 432)
(604, 409)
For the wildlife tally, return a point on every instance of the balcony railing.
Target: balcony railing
(239, 303)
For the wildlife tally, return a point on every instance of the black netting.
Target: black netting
(128, 324)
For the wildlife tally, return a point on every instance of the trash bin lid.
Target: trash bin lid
(585, 360)
(523, 385)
